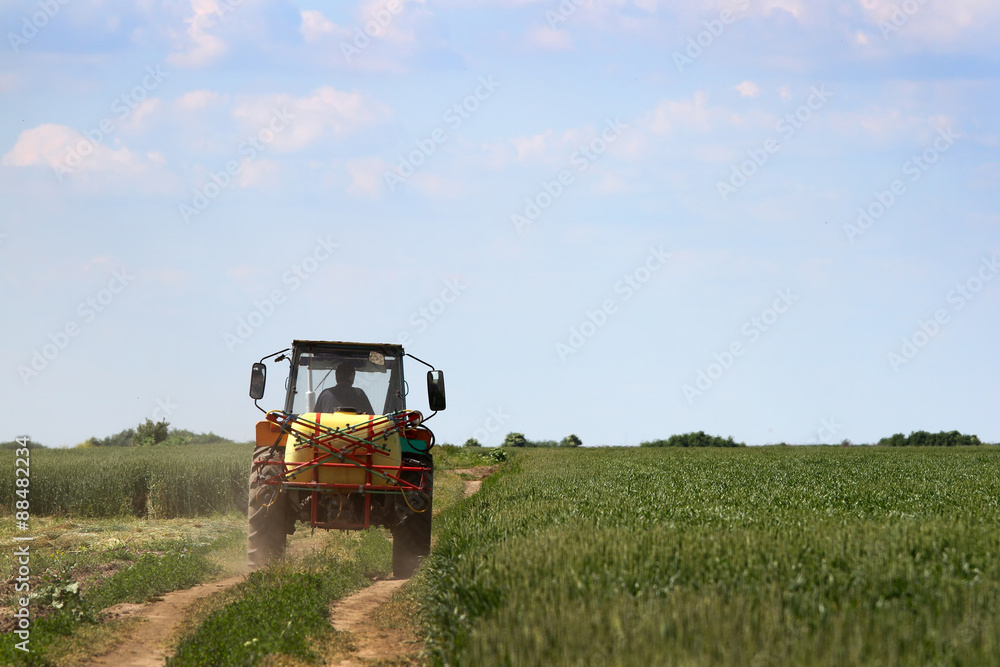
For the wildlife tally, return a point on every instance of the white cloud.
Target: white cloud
(885, 124)
(549, 39)
(611, 183)
(48, 145)
(202, 45)
(668, 114)
(9, 81)
(433, 185)
(366, 176)
(326, 112)
(695, 114)
(531, 148)
(260, 173)
(77, 159)
(198, 99)
(377, 39)
(959, 25)
(716, 153)
(794, 7)
(747, 89)
(316, 27)
(140, 113)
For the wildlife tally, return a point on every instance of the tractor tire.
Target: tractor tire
(411, 537)
(268, 515)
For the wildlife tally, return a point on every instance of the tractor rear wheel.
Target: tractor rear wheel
(411, 537)
(267, 514)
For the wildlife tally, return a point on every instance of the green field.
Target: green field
(155, 482)
(161, 482)
(748, 556)
(672, 556)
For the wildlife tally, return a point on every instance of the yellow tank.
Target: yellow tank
(367, 427)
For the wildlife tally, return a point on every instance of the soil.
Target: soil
(353, 615)
(146, 647)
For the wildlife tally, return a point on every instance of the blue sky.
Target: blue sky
(773, 219)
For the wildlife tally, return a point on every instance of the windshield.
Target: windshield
(368, 380)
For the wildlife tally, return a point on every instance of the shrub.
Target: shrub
(699, 439)
(472, 442)
(515, 440)
(150, 433)
(571, 440)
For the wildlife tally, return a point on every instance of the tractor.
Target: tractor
(344, 453)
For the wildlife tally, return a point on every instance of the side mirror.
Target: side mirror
(435, 390)
(258, 378)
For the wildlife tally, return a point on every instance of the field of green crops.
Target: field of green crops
(161, 482)
(155, 482)
(755, 556)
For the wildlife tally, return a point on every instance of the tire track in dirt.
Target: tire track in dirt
(147, 647)
(353, 614)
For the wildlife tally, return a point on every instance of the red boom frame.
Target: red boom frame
(346, 449)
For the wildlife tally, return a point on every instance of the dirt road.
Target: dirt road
(149, 644)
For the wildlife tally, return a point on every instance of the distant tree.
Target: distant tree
(151, 433)
(925, 439)
(120, 439)
(14, 444)
(541, 443)
(472, 442)
(571, 440)
(699, 439)
(515, 440)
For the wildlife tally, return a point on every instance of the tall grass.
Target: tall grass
(157, 482)
(820, 556)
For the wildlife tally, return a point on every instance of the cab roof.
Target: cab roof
(340, 343)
